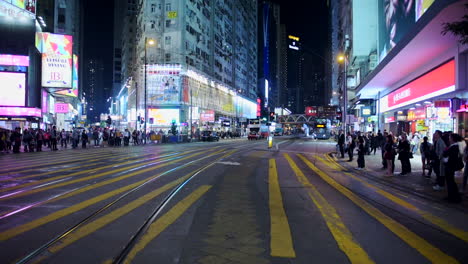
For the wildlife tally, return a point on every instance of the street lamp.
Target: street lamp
(342, 59)
(148, 42)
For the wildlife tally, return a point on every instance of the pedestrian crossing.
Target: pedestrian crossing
(335, 205)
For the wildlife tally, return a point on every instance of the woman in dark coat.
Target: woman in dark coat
(453, 162)
(404, 149)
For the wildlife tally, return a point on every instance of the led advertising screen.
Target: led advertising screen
(74, 91)
(207, 116)
(12, 89)
(164, 117)
(57, 60)
(19, 111)
(14, 60)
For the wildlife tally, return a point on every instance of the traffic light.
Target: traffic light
(272, 116)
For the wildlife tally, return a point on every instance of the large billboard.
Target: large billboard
(74, 91)
(57, 60)
(396, 17)
(163, 85)
(12, 89)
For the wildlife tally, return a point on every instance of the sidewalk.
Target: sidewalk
(413, 183)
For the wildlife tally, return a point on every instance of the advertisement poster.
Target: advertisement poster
(13, 89)
(56, 59)
(395, 20)
(422, 6)
(164, 117)
(74, 91)
(163, 89)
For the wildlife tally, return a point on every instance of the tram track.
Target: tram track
(41, 252)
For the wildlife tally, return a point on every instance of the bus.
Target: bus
(322, 128)
(259, 126)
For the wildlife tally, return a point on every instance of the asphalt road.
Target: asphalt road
(233, 201)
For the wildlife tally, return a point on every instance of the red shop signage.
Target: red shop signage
(259, 111)
(438, 79)
(310, 111)
(390, 119)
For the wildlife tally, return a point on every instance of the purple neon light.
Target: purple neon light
(20, 111)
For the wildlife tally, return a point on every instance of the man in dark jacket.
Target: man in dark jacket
(341, 142)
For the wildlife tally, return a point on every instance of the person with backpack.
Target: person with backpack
(426, 148)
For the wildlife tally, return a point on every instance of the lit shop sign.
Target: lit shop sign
(416, 114)
(439, 81)
(463, 108)
(14, 60)
(207, 116)
(390, 119)
(366, 111)
(61, 108)
(164, 117)
(266, 93)
(20, 111)
(293, 37)
(310, 111)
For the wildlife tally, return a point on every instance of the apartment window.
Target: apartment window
(168, 40)
(153, 24)
(153, 8)
(168, 7)
(168, 23)
(168, 56)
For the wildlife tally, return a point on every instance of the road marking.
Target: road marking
(112, 216)
(158, 226)
(340, 232)
(228, 163)
(432, 253)
(435, 220)
(28, 192)
(277, 144)
(281, 244)
(76, 207)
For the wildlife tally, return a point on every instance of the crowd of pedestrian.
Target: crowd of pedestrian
(445, 156)
(35, 140)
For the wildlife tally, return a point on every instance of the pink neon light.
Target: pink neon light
(14, 60)
(61, 108)
(433, 81)
(20, 111)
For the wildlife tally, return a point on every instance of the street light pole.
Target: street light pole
(345, 94)
(191, 114)
(146, 111)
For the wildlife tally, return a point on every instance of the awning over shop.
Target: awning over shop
(421, 46)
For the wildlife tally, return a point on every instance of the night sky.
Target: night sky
(308, 20)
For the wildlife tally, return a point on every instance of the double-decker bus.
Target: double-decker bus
(259, 126)
(322, 128)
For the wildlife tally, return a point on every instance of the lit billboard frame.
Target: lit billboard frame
(57, 59)
(15, 91)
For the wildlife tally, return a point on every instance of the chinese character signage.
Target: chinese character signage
(61, 108)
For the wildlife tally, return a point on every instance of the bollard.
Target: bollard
(270, 141)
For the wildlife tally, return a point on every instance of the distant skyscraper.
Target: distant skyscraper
(295, 91)
(93, 86)
(270, 55)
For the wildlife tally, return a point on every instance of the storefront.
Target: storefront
(424, 104)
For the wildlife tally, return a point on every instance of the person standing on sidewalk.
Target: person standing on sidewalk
(382, 142)
(341, 142)
(404, 150)
(361, 152)
(465, 170)
(40, 139)
(439, 146)
(351, 145)
(389, 155)
(453, 162)
(425, 157)
(53, 138)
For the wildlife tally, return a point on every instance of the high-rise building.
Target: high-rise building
(94, 82)
(201, 60)
(270, 54)
(295, 91)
